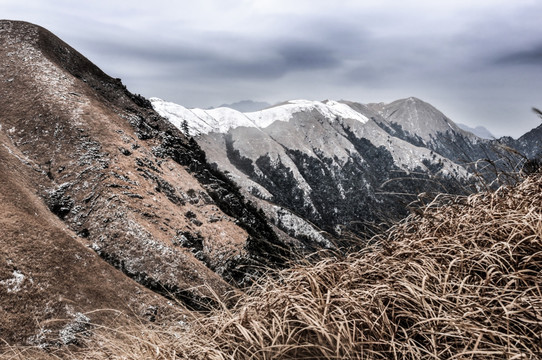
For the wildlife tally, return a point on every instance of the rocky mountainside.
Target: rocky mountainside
(319, 169)
(530, 144)
(104, 204)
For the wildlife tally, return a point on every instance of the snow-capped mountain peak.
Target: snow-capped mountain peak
(221, 120)
(327, 162)
(200, 121)
(416, 117)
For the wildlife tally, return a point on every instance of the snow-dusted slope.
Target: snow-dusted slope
(306, 126)
(201, 121)
(331, 110)
(104, 204)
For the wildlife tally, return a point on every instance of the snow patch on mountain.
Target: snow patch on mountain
(15, 283)
(201, 121)
(298, 227)
(332, 110)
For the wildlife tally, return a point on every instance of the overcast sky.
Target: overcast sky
(480, 62)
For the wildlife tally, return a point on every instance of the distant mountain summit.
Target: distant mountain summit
(416, 118)
(421, 124)
(479, 131)
(247, 105)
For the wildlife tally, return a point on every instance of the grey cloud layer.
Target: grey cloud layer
(531, 56)
(480, 62)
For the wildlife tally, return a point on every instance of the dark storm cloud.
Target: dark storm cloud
(238, 59)
(302, 45)
(274, 60)
(300, 56)
(531, 56)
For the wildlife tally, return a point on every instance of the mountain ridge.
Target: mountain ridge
(246, 105)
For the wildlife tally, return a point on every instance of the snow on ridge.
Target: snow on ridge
(201, 121)
(345, 111)
(330, 109)
(223, 119)
(177, 114)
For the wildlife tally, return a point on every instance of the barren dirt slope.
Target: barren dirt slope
(48, 277)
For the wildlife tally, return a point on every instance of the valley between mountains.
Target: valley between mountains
(115, 207)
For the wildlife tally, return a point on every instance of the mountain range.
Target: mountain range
(114, 206)
(479, 131)
(323, 169)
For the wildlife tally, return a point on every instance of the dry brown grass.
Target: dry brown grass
(460, 281)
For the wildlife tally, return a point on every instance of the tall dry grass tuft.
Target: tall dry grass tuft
(461, 281)
(455, 281)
